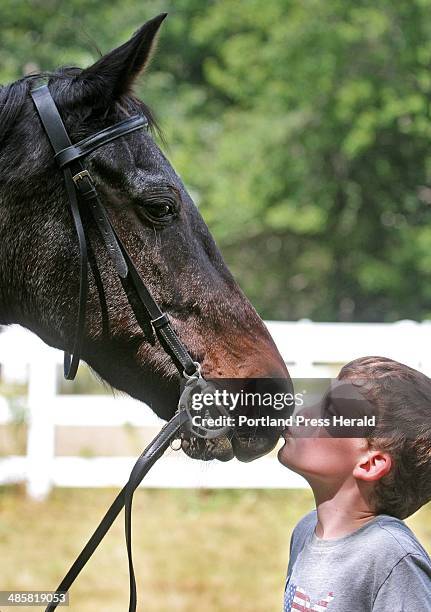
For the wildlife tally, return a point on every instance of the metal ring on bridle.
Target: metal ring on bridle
(172, 442)
(196, 383)
(197, 374)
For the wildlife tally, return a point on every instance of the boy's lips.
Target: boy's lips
(287, 433)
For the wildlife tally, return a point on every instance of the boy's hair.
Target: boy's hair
(401, 397)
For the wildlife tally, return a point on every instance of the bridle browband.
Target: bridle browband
(81, 192)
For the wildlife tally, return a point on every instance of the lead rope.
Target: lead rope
(144, 463)
(147, 459)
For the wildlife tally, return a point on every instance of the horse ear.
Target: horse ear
(114, 73)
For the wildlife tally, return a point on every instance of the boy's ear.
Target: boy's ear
(373, 465)
(114, 74)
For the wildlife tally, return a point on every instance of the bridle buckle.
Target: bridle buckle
(81, 175)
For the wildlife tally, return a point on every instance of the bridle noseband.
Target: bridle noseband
(81, 191)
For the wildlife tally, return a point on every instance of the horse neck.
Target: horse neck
(7, 284)
(12, 248)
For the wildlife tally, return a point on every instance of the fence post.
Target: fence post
(42, 388)
(303, 351)
(424, 342)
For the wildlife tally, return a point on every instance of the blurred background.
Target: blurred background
(302, 131)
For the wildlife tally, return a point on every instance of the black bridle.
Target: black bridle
(80, 188)
(82, 192)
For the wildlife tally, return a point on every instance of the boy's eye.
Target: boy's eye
(328, 408)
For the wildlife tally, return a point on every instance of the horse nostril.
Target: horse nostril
(206, 450)
(221, 448)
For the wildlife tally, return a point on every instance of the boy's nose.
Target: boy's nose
(306, 428)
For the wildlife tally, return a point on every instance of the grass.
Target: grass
(194, 549)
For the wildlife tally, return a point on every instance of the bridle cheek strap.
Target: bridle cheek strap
(59, 139)
(80, 188)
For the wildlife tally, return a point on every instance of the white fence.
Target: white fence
(310, 350)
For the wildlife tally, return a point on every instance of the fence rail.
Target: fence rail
(310, 350)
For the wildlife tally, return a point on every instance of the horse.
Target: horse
(158, 222)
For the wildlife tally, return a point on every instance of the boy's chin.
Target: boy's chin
(284, 457)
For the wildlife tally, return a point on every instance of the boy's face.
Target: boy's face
(316, 454)
(321, 457)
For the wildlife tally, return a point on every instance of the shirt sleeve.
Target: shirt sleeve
(407, 587)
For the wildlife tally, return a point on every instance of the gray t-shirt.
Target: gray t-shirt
(380, 567)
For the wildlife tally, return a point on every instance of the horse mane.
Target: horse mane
(14, 96)
(12, 99)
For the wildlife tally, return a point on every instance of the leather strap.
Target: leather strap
(81, 189)
(71, 360)
(90, 144)
(58, 138)
(147, 459)
(159, 320)
(78, 180)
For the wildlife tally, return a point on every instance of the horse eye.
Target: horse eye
(160, 211)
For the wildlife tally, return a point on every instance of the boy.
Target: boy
(354, 553)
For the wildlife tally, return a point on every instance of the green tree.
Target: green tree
(302, 129)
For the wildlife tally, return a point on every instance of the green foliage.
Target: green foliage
(301, 128)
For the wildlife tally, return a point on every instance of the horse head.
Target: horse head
(158, 222)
